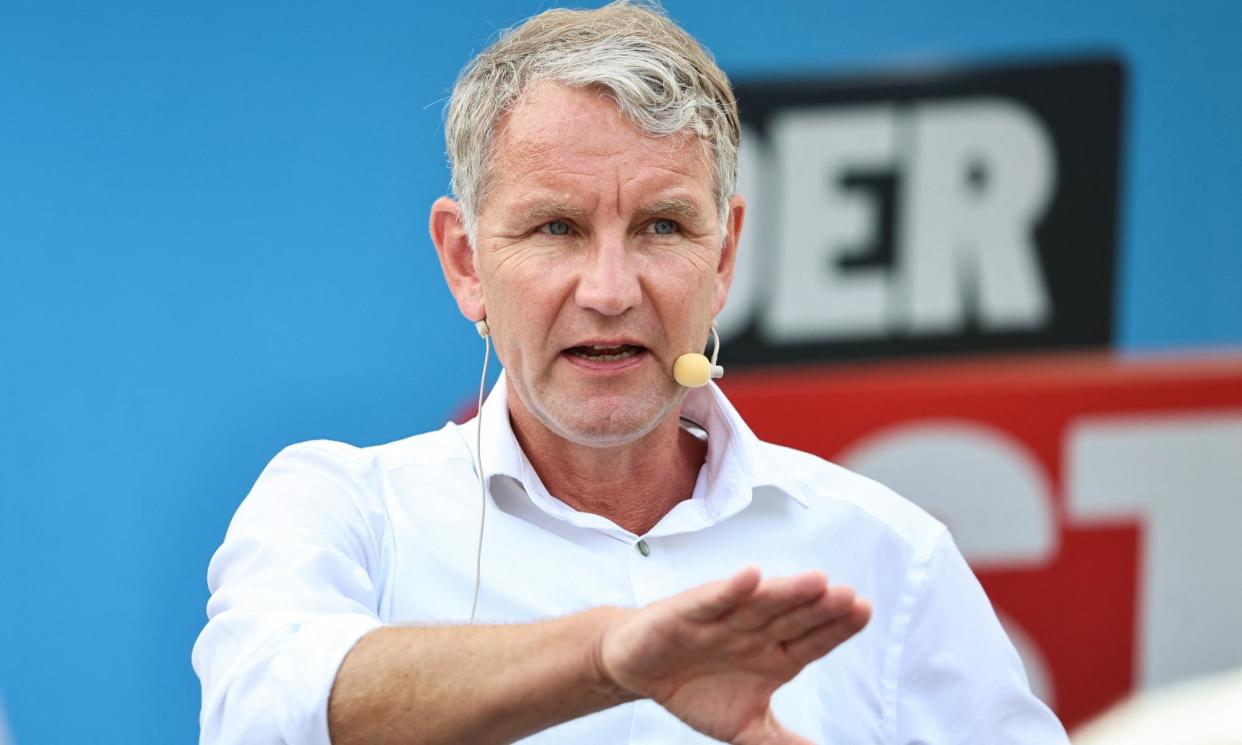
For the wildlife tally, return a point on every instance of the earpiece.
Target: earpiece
(694, 370)
(482, 328)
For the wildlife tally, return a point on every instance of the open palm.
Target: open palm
(714, 655)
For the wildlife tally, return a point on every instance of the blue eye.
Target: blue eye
(664, 227)
(556, 227)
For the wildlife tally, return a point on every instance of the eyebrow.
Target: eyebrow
(545, 211)
(551, 211)
(677, 207)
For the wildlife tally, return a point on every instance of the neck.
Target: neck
(634, 484)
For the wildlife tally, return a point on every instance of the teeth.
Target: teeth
(581, 352)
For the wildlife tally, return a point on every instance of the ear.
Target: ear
(457, 258)
(728, 251)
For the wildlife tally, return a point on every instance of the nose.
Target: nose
(609, 282)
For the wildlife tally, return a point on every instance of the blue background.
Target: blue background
(213, 244)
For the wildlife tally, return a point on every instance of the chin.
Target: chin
(609, 424)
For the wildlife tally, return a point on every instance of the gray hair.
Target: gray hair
(660, 77)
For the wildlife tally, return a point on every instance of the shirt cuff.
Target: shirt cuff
(306, 669)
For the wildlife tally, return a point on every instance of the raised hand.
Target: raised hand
(714, 655)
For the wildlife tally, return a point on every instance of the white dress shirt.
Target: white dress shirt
(334, 541)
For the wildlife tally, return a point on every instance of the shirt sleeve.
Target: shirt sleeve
(960, 680)
(292, 591)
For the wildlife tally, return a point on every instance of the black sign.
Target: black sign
(955, 211)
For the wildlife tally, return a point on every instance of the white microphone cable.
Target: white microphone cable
(478, 454)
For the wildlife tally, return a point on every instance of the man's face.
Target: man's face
(601, 259)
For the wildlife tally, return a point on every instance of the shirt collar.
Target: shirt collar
(737, 463)
(735, 467)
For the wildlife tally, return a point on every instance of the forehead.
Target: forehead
(555, 129)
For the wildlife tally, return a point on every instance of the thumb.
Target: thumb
(768, 731)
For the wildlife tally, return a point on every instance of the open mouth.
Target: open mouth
(602, 353)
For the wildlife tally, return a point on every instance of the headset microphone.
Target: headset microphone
(694, 370)
(690, 370)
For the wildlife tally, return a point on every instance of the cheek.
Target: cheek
(685, 280)
(522, 312)
(685, 305)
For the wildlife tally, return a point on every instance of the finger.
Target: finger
(833, 604)
(821, 640)
(777, 596)
(713, 600)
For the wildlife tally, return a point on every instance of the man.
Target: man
(650, 571)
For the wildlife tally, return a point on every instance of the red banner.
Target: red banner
(1095, 497)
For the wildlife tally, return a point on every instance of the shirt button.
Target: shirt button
(643, 548)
